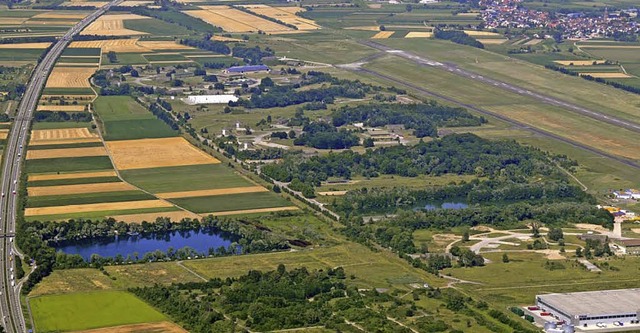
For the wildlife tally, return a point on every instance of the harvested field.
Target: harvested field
(252, 211)
(74, 175)
(365, 28)
(66, 108)
(50, 23)
(112, 25)
(25, 46)
(151, 217)
(608, 75)
(13, 20)
(383, 34)
(534, 42)
(54, 15)
(132, 45)
(419, 34)
(285, 15)
(492, 41)
(109, 206)
(203, 193)
(332, 193)
(163, 326)
(227, 39)
(134, 3)
(62, 136)
(4, 133)
(35, 191)
(70, 77)
(154, 153)
(164, 45)
(233, 20)
(579, 62)
(474, 33)
(68, 152)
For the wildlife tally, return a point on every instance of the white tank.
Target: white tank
(549, 325)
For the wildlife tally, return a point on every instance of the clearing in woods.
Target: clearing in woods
(284, 14)
(154, 153)
(70, 77)
(35, 191)
(234, 20)
(112, 25)
(73, 175)
(96, 207)
(383, 34)
(212, 192)
(67, 152)
(62, 136)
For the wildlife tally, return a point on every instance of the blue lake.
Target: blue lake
(200, 241)
(441, 205)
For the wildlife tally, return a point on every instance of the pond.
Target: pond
(199, 240)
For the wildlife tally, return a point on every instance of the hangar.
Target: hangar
(619, 307)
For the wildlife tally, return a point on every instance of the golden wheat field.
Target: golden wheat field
(66, 152)
(96, 207)
(475, 33)
(383, 34)
(234, 20)
(54, 15)
(206, 193)
(154, 153)
(35, 191)
(112, 25)
(66, 108)
(131, 45)
(67, 135)
(579, 62)
(4, 133)
(284, 14)
(70, 77)
(608, 75)
(25, 46)
(73, 175)
(492, 41)
(419, 34)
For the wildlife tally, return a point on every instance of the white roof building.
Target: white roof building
(211, 99)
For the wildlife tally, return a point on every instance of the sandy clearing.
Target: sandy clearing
(607, 75)
(35, 191)
(74, 175)
(251, 211)
(96, 207)
(593, 227)
(54, 15)
(579, 62)
(419, 34)
(70, 77)
(113, 25)
(151, 217)
(66, 152)
(154, 153)
(164, 326)
(552, 254)
(475, 33)
(25, 46)
(53, 136)
(332, 193)
(383, 34)
(212, 192)
(69, 108)
(492, 41)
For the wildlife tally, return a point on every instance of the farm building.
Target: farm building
(628, 246)
(247, 69)
(627, 194)
(594, 309)
(211, 99)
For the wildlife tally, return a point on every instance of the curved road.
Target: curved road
(10, 307)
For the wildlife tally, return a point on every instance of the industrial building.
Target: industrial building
(211, 99)
(594, 309)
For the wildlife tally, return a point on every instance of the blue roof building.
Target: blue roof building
(248, 69)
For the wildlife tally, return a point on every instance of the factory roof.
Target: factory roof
(595, 302)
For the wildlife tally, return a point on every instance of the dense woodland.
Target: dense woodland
(457, 36)
(423, 119)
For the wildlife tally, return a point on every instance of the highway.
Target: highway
(453, 69)
(10, 308)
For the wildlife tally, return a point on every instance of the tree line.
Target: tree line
(458, 37)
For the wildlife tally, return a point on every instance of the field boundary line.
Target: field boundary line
(179, 263)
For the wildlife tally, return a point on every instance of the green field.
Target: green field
(20, 54)
(80, 311)
(185, 178)
(124, 119)
(155, 27)
(68, 164)
(81, 60)
(88, 198)
(165, 57)
(229, 202)
(70, 145)
(86, 52)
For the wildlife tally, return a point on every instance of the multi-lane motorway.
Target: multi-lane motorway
(10, 308)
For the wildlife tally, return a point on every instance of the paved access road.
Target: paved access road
(10, 307)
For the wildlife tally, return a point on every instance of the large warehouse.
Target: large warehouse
(594, 308)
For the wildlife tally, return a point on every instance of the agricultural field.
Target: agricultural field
(113, 25)
(90, 310)
(234, 20)
(122, 118)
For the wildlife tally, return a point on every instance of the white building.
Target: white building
(211, 99)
